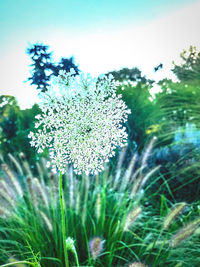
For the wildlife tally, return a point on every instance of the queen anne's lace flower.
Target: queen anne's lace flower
(81, 122)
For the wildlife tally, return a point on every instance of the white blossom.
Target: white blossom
(81, 122)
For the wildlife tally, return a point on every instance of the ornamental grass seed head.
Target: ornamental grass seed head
(131, 217)
(175, 211)
(184, 233)
(96, 247)
(81, 122)
(137, 264)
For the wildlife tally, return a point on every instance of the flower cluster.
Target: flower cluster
(81, 122)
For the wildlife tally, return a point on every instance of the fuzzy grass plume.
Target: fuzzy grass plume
(173, 214)
(184, 233)
(137, 264)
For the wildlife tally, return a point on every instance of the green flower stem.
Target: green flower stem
(18, 262)
(76, 257)
(63, 220)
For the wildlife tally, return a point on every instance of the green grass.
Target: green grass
(109, 209)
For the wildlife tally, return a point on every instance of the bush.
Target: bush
(15, 125)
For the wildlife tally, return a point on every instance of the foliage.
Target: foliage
(133, 75)
(146, 116)
(174, 105)
(180, 180)
(189, 70)
(107, 221)
(15, 125)
(180, 102)
(181, 132)
(8, 117)
(43, 67)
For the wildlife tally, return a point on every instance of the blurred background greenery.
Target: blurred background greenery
(171, 114)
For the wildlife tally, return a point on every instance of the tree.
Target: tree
(180, 100)
(15, 125)
(43, 67)
(189, 70)
(126, 74)
(8, 118)
(65, 64)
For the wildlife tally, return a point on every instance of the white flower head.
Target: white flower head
(81, 122)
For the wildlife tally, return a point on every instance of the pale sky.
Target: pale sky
(102, 35)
